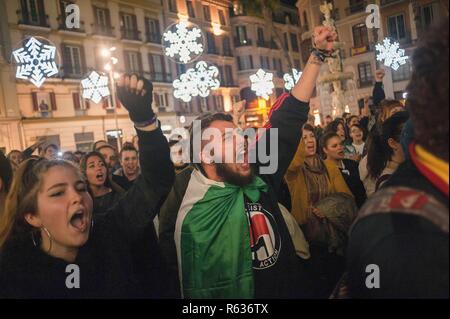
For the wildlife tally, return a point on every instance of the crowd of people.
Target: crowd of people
(359, 190)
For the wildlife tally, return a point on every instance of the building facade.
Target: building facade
(401, 20)
(264, 41)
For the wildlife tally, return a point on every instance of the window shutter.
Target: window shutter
(41, 11)
(76, 101)
(108, 18)
(147, 26)
(139, 62)
(67, 66)
(35, 101)
(134, 23)
(83, 60)
(53, 101)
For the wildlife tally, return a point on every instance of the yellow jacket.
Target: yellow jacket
(295, 180)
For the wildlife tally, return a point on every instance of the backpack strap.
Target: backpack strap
(406, 200)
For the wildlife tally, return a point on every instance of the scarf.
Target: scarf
(433, 168)
(212, 239)
(316, 178)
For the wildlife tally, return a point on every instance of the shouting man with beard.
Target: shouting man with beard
(221, 228)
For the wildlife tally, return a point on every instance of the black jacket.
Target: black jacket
(353, 181)
(410, 251)
(286, 277)
(106, 262)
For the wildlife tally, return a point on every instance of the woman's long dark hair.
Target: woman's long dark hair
(379, 151)
(108, 182)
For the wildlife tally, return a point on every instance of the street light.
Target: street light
(109, 66)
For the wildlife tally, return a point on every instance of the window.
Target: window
(133, 61)
(403, 73)
(305, 20)
(241, 32)
(129, 26)
(190, 8)
(264, 62)
(173, 6)
(218, 102)
(211, 43)
(360, 36)
(161, 101)
(245, 62)
(356, 6)
(294, 42)
(229, 81)
(365, 74)
(181, 69)
(227, 47)
(278, 66)
(84, 141)
(222, 19)
(158, 68)
(286, 43)
(153, 30)
(260, 37)
(33, 13)
(306, 50)
(396, 27)
(297, 64)
(207, 13)
(73, 61)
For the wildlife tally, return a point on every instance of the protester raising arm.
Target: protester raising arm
(378, 90)
(290, 111)
(138, 207)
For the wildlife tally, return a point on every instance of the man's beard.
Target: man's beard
(234, 178)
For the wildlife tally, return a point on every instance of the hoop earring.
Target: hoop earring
(33, 239)
(50, 238)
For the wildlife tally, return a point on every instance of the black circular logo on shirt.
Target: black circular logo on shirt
(265, 240)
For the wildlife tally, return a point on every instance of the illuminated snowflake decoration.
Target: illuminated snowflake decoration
(198, 81)
(391, 54)
(35, 61)
(290, 80)
(184, 42)
(262, 83)
(95, 87)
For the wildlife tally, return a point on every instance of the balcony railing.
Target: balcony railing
(159, 77)
(228, 53)
(356, 8)
(131, 34)
(387, 2)
(213, 51)
(405, 41)
(69, 72)
(63, 26)
(365, 83)
(263, 44)
(360, 50)
(229, 83)
(39, 20)
(105, 30)
(153, 38)
(243, 43)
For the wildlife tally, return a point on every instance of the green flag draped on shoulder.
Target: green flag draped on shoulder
(213, 241)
